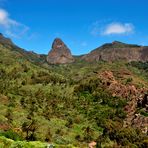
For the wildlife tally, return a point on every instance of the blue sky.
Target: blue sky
(82, 24)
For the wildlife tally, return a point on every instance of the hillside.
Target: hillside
(20, 53)
(71, 105)
(118, 51)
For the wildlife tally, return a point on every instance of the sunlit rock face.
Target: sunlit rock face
(118, 51)
(60, 53)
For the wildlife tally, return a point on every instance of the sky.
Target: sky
(82, 24)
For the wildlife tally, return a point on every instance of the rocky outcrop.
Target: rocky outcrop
(118, 51)
(137, 98)
(60, 53)
(116, 87)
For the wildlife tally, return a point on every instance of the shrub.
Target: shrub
(128, 80)
(11, 135)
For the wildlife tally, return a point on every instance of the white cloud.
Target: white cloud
(11, 27)
(118, 28)
(5, 21)
(114, 28)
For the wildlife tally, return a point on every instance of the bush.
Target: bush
(5, 142)
(128, 80)
(11, 135)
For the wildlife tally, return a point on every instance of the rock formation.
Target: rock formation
(133, 105)
(60, 53)
(118, 51)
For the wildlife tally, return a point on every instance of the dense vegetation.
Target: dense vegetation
(62, 104)
(141, 65)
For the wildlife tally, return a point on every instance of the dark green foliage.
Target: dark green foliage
(128, 80)
(127, 136)
(140, 65)
(30, 128)
(11, 135)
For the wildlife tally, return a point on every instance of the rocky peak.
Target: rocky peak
(60, 53)
(58, 43)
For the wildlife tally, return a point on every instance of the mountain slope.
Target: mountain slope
(118, 51)
(21, 53)
(71, 104)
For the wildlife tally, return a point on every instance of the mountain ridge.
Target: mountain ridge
(118, 51)
(61, 54)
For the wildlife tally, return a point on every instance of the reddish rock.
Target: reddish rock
(118, 51)
(92, 144)
(60, 53)
(134, 96)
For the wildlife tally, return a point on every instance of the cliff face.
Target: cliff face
(60, 53)
(144, 54)
(118, 51)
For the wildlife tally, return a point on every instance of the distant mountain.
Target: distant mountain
(118, 51)
(23, 54)
(60, 53)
